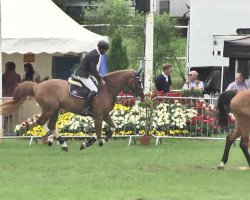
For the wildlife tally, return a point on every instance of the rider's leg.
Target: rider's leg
(89, 84)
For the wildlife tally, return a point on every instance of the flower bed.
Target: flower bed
(160, 118)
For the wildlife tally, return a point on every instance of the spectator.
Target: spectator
(247, 80)
(31, 74)
(193, 82)
(10, 79)
(163, 82)
(239, 83)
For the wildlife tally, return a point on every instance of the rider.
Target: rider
(90, 66)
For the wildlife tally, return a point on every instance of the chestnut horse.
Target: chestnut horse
(54, 94)
(239, 104)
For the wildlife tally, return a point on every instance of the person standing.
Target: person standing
(31, 74)
(10, 79)
(89, 66)
(163, 82)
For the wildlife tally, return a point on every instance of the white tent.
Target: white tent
(39, 26)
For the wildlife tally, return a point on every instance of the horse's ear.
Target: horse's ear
(137, 73)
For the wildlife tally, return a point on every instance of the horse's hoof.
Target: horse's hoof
(100, 143)
(50, 143)
(65, 149)
(83, 146)
(220, 167)
(109, 134)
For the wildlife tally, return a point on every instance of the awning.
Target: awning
(39, 26)
(237, 48)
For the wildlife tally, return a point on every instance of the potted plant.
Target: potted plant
(145, 139)
(192, 93)
(148, 104)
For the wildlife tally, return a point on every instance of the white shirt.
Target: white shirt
(165, 76)
(193, 84)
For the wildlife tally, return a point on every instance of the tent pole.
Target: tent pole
(149, 46)
(221, 78)
(236, 66)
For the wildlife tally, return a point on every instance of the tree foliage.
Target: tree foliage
(164, 34)
(117, 16)
(117, 56)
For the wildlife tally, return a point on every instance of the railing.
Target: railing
(161, 119)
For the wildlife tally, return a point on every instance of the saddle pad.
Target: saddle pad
(77, 91)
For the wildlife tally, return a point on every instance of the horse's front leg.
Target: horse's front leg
(88, 143)
(98, 130)
(112, 125)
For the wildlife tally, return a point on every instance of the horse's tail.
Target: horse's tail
(223, 106)
(20, 94)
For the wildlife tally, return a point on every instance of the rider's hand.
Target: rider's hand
(102, 82)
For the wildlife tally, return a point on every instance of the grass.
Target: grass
(177, 170)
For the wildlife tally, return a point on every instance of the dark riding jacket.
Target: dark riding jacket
(161, 84)
(88, 65)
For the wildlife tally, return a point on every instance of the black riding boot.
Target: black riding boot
(87, 110)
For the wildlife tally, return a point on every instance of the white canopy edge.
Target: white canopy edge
(39, 26)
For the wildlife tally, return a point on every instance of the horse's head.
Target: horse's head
(135, 84)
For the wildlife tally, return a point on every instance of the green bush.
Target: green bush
(192, 93)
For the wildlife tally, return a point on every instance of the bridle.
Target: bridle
(138, 83)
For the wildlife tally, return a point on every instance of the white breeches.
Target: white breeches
(88, 83)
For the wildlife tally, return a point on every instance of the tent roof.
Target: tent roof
(237, 48)
(37, 26)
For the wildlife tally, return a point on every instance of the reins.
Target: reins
(35, 89)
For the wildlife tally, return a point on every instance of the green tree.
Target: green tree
(117, 56)
(113, 13)
(117, 16)
(166, 45)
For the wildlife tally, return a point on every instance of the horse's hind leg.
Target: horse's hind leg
(229, 141)
(245, 128)
(243, 121)
(49, 135)
(244, 146)
(52, 127)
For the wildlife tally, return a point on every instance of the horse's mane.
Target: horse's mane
(117, 79)
(115, 73)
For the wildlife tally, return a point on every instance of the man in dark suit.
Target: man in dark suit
(90, 67)
(163, 82)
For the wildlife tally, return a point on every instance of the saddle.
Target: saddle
(77, 88)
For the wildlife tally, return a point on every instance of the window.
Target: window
(164, 6)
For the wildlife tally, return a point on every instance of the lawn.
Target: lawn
(177, 170)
